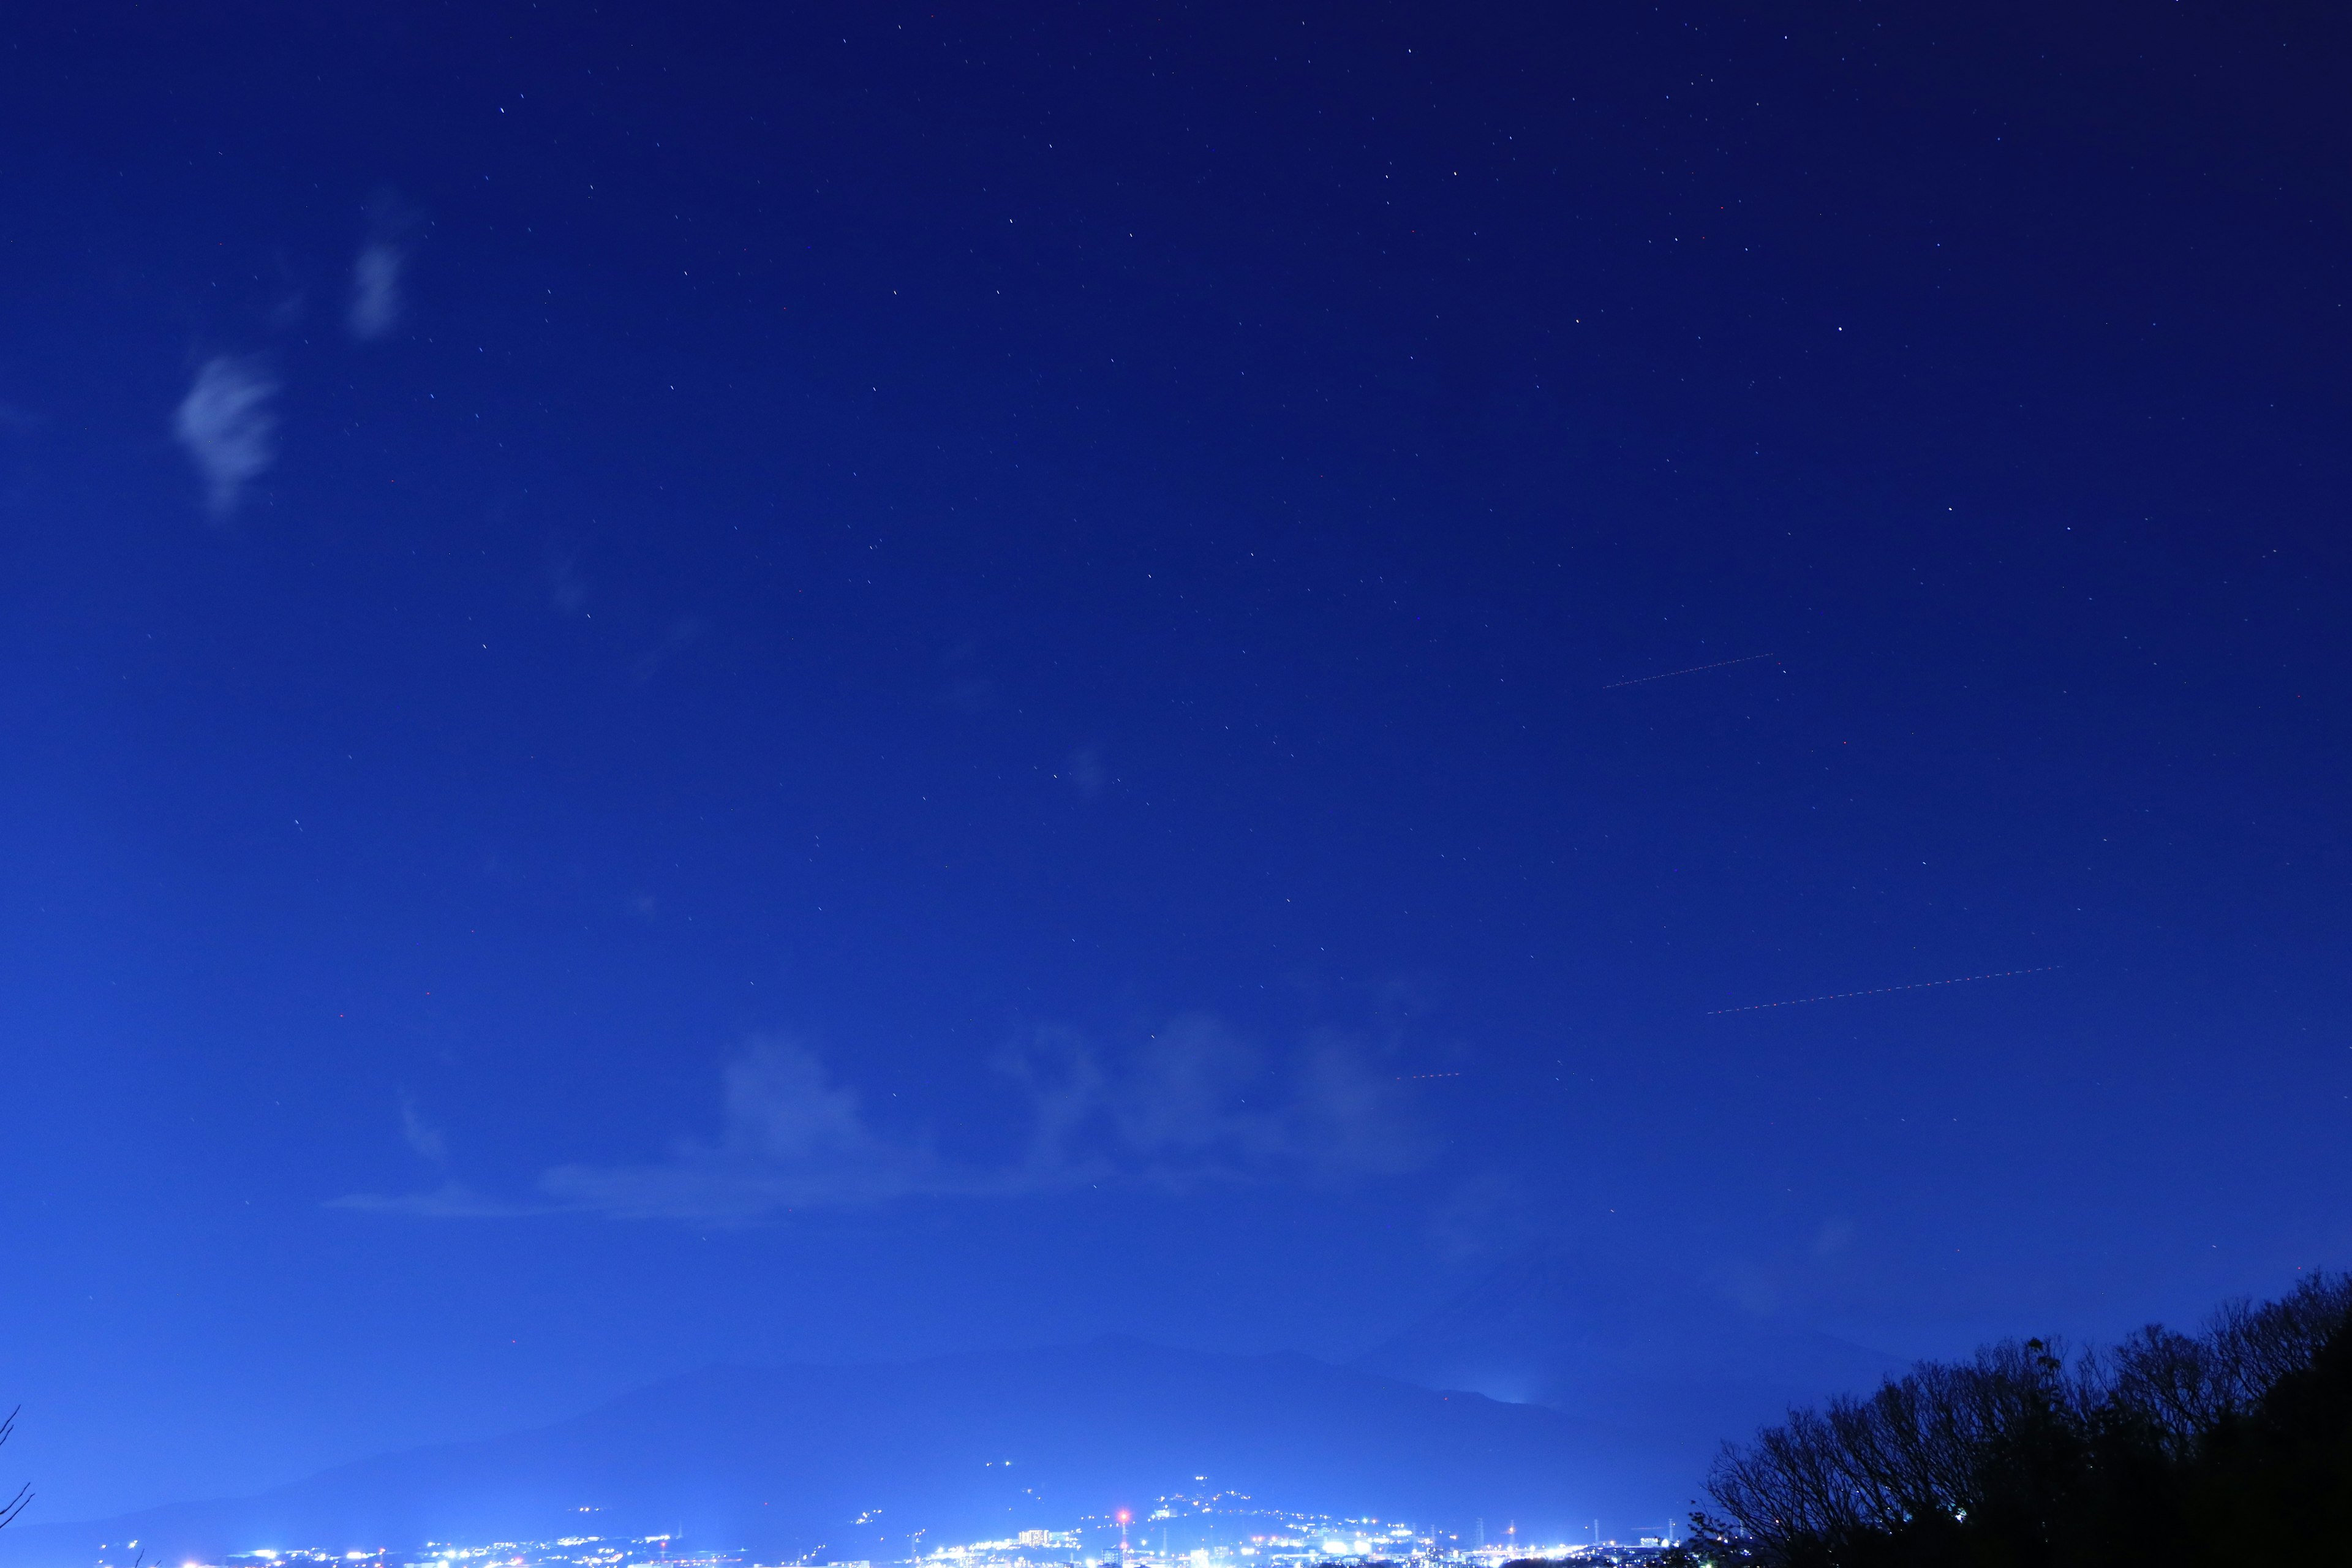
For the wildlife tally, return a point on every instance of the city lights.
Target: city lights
(1213, 1529)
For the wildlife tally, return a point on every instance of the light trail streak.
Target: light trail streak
(1693, 669)
(1882, 990)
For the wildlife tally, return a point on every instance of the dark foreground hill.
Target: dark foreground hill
(2228, 1448)
(782, 1461)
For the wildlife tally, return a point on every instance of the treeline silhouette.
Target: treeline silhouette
(2225, 1448)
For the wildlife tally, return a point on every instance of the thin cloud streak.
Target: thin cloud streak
(1693, 669)
(1884, 990)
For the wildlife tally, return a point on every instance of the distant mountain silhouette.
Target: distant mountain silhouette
(781, 1460)
(1668, 1362)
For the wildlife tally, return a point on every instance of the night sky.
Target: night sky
(692, 683)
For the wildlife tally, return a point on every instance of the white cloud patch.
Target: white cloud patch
(1192, 1103)
(375, 290)
(227, 425)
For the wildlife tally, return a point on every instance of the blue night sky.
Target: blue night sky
(694, 683)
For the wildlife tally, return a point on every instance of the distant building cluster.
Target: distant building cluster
(1231, 1530)
(1211, 1530)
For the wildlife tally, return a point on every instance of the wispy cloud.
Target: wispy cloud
(567, 586)
(1488, 1214)
(420, 1135)
(1191, 1103)
(377, 302)
(791, 1138)
(375, 290)
(451, 1200)
(227, 425)
(1194, 1101)
(1084, 771)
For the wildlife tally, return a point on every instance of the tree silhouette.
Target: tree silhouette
(14, 1505)
(2232, 1445)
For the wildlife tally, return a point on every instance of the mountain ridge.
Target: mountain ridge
(1666, 1357)
(781, 1460)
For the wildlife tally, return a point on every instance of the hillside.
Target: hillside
(780, 1461)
